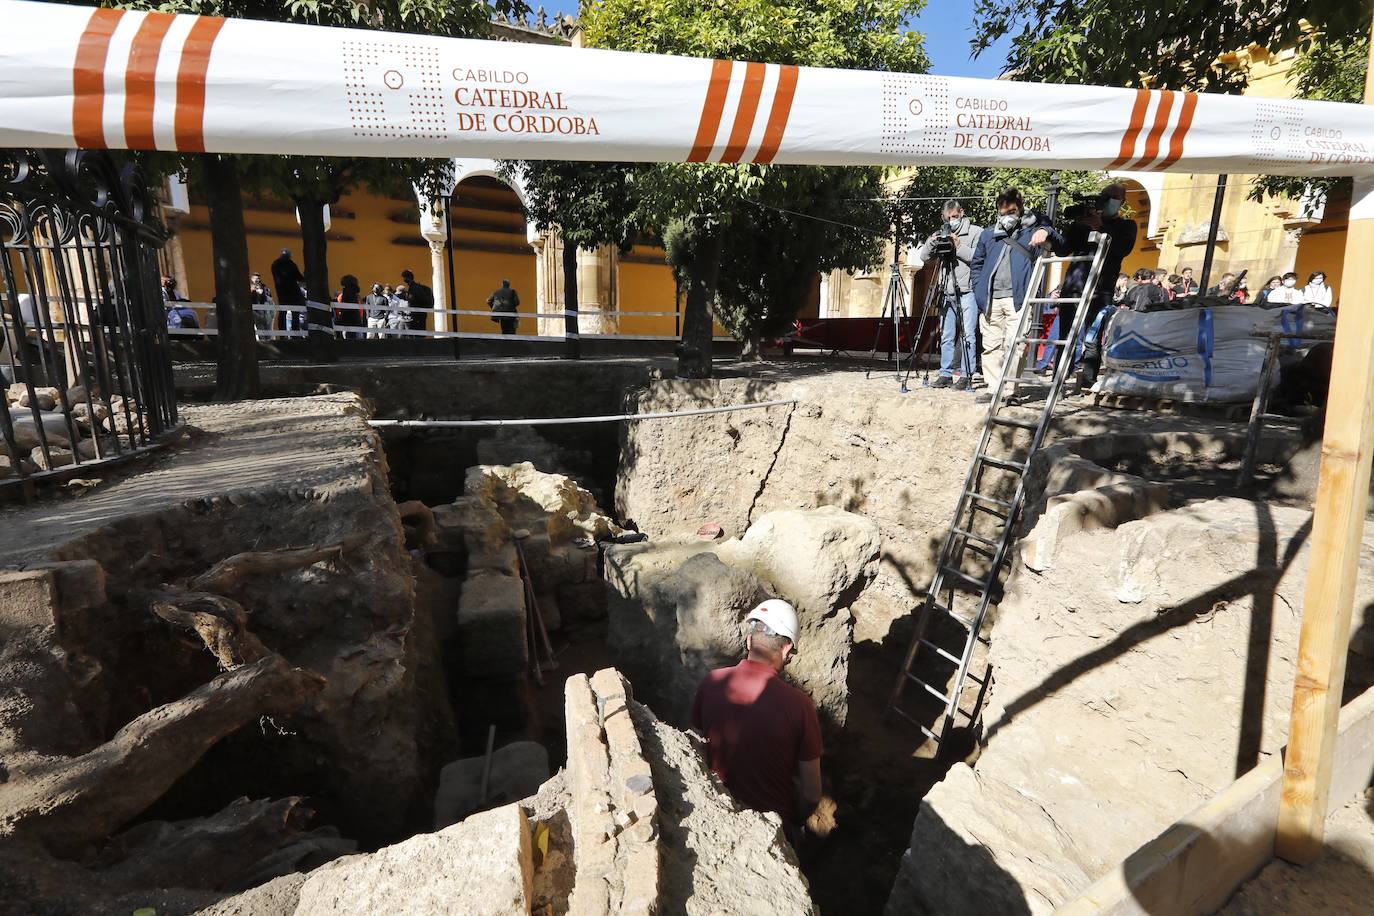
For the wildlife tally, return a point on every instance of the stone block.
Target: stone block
(491, 626)
(482, 866)
(517, 771)
(28, 600)
(1090, 510)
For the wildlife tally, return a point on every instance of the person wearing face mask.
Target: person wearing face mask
(1288, 293)
(1101, 215)
(1000, 272)
(1316, 292)
(954, 243)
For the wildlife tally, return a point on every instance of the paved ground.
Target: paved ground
(293, 444)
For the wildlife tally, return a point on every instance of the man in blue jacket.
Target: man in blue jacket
(1001, 270)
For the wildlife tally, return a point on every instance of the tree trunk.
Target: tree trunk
(236, 370)
(314, 248)
(694, 352)
(573, 347)
(752, 347)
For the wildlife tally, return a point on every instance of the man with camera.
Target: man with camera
(952, 245)
(1001, 269)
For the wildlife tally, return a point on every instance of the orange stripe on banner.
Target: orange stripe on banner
(88, 78)
(1185, 121)
(777, 117)
(710, 111)
(1166, 105)
(1142, 102)
(140, 80)
(744, 113)
(189, 124)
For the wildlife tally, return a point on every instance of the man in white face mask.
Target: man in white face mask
(953, 247)
(1288, 293)
(1000, 270)
(1316, 292)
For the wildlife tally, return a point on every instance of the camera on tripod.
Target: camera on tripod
(944, 245)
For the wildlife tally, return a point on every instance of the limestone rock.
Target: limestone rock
(479, 867)
(26, 428)
(676, 607)
(46, 398)
(521, 492)
(54, 458)
(517, 771)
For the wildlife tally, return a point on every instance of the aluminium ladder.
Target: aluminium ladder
(984, 522)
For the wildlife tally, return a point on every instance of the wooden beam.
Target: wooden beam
(1337, 530)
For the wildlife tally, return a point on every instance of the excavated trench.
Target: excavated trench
(414, 685)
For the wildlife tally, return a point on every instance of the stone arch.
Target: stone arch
(477, 260)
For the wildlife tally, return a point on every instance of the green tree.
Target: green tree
(310, 182)
(590, 203)
(706, 208)
(1172, 44)
(804, 221)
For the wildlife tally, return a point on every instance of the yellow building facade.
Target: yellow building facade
(375, 238)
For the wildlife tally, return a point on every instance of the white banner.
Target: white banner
(77, 76)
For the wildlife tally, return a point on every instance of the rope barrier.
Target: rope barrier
(544, 421)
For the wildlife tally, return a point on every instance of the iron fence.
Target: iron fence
(84, 354)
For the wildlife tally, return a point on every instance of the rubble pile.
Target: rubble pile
(38, 419)
(511, 519)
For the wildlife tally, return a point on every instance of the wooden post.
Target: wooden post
(1337, 528)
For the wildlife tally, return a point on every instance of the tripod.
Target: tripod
(935, 296)
(894, 312)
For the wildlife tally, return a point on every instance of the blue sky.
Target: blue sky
(948, 26)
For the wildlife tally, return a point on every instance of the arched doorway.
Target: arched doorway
(490, 244)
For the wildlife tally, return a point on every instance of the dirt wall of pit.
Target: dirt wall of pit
(848, 441)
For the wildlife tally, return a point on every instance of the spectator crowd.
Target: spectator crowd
(984, 277)
(386, 310)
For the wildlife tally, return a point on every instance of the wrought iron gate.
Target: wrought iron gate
(83, 355)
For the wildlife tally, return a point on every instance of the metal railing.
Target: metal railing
(83, 338)
(294, 323)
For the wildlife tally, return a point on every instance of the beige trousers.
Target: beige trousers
(998, 327)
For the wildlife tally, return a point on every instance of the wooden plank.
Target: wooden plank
(1337, 528)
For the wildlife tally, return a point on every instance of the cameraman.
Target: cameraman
(1102, 214)
(1001, 270)
(952, 247)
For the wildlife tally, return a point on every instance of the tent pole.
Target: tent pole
(1206, 282)
(1337, 529)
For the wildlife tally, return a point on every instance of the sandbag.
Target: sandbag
(1201, 354)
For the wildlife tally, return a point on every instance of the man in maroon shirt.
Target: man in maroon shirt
(761, 732)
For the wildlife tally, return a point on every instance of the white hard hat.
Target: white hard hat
(778, 616)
